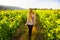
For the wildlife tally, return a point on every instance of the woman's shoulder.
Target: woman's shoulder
(33, 15)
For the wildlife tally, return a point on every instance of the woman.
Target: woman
(30, 21)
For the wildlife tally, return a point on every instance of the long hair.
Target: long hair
(29, 16)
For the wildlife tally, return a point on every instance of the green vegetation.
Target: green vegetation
(50, 19)
(11, 20)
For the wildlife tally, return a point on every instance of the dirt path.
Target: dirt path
(25, 35)
(34, 33)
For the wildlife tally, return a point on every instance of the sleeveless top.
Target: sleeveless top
(31, 23)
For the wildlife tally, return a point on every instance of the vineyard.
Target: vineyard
(12, 24)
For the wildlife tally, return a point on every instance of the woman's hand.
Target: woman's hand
(26, 24)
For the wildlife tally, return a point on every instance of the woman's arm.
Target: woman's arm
(26, 20)
(27, 17)
(34, 19)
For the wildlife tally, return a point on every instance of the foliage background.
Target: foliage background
(12, 24)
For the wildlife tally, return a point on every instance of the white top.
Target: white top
(31, 23)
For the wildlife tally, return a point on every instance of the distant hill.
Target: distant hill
(3, 7)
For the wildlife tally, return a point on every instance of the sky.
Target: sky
(55, 4)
